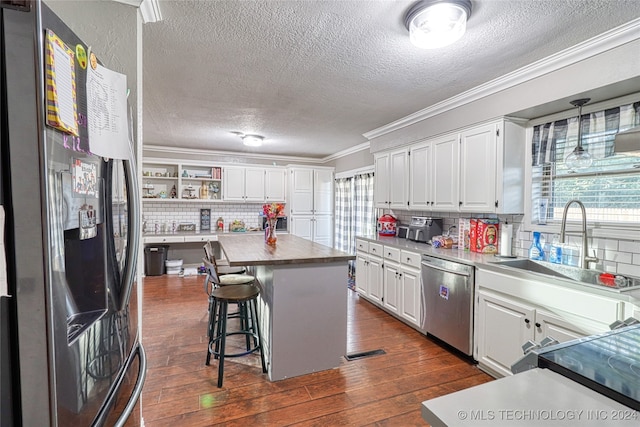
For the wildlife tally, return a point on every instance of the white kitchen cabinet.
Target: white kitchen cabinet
(391, 287)
(420, 176)
(504, 324)
(445, 174)
(411, 303)
(391, 187)
(369, 272)
(275, 185)
(492, 167)
(311, 204)
(244, 184)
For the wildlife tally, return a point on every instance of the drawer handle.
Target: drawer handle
(527, 321)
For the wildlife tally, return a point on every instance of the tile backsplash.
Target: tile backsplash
(614, 255)
(166, 214)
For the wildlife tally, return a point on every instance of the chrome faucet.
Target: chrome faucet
(585, 259)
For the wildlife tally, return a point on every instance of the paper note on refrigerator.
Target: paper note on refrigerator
(107, 113)
(61, 86)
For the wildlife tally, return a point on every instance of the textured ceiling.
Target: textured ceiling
(313, 76)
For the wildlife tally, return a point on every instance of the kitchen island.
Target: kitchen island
(303, 301)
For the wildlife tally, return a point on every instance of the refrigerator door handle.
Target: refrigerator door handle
(137, 391)
(134, 230)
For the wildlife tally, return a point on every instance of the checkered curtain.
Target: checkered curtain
(343, 214)
(363, 210)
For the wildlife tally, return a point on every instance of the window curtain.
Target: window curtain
(552, 142)
(354, 212)
(363, 206)
(343, 214)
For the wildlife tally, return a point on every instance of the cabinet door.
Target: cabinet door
(254, 185)
(233, 184)
(275, 185)
(445, 173)
(323, 229)
(381, 184)
(361, 273)
(301, 191)
(323, 192)
(550, 325)
(411, 296)
(391, 300)
(478, 169)
(503, 326)
(375, 279)
(302, 226)
(420, 159)
(399, 180)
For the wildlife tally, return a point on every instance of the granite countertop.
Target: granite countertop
(249, 249)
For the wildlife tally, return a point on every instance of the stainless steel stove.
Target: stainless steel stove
(608, 363)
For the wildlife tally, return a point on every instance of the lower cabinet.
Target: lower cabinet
(317, 228)
(369, 277)
(393, 281)
(505, 324)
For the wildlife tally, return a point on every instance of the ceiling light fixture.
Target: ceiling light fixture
(252, 140)
(579, 158)
(437, 23)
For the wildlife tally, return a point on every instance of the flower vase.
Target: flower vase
(271, 238)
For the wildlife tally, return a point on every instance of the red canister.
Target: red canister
(387, 225)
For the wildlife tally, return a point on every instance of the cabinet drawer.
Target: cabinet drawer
(164, 239)
(201, 238)
(392, 253)
(375, 249)
(362, 245)
(410, 258)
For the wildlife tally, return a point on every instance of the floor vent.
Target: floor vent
(363, 354)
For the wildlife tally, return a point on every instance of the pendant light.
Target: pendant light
(579, 158)
(437, 23)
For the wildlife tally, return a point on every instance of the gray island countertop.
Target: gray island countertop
(251, 249)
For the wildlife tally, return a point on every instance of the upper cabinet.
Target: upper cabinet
(244, 184)
(311, 191)
(478, 169)
(275, 185)
(212, 183)
(392, 180)
(492, 168)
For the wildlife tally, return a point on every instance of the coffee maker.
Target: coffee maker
(422, 229)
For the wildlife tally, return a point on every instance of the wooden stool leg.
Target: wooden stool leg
(223, 339)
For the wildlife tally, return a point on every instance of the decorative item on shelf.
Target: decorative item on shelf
(272, 212)
(189, 192)
(174, 193)
(214, 189)
(204, 191)
(185, 174)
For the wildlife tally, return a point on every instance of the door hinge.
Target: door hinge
(496, 203)
(497, 132)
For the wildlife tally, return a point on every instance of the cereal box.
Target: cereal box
(487, 236)
(473, 236)
(464, 227)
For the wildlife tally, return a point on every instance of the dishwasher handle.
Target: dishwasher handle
(465, 272)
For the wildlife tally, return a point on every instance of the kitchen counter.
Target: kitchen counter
(538, 397)
(247, 250)
(302, 305)
(489, 262)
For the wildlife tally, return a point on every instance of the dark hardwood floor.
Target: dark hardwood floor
(381, 390)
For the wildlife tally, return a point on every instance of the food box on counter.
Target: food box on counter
(473, 235)
(487, 236)
(464, 227)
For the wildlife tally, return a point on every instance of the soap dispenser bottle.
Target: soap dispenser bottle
(555, 252)
(535, 250)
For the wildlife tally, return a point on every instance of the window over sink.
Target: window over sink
(609, 188)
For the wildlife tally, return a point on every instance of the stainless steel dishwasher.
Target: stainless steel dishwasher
(448, 301)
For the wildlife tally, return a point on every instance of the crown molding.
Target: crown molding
(348, 151)
(594, 46)
(192, 151)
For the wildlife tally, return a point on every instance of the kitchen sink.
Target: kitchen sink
(575, 274)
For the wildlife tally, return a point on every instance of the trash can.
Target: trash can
(154, 259)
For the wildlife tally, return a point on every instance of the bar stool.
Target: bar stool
(222, 267)
(246, 297)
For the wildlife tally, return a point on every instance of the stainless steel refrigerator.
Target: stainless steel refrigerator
(69, 346)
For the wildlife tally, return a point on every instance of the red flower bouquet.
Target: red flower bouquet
(271, 212)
